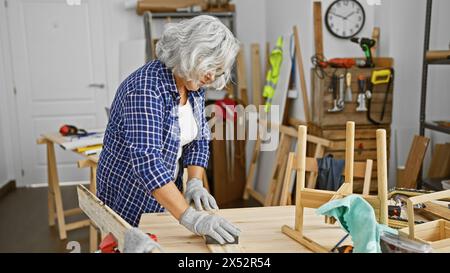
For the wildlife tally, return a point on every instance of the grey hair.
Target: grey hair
(192, 48)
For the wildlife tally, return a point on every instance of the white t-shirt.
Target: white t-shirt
(188, 129)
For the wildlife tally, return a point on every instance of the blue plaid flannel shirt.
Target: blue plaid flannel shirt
(142, 139)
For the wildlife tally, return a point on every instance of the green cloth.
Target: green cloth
(357, 217)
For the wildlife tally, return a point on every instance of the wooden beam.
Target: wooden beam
(300, 186)
(252, 170)
(318, 33)
(107, 220)
(437, 210)
(256, 75)
(376, 37)
(382, 175)
(298, 236)
(414, 162)
(438, 55)
(367, 177)
(301, 71)
(242, 77)
(349, 153)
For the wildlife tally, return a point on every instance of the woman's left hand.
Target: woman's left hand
(195, 192)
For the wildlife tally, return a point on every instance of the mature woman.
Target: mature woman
(158, 127)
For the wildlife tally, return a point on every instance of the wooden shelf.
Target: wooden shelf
(435, 127)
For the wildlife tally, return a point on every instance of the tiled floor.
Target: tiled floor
(24, 225)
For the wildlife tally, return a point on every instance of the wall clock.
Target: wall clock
(345, 18)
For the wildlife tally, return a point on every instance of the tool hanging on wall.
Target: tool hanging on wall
(362, 94)
(366, 44)
(275, 59)
(379, 77)
(334, 88)
(348, 90)
(341, 102)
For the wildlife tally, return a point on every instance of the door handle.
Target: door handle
(97, 85)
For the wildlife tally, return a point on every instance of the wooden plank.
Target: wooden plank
(333, 120)
(318, 33)
(430, 197)
(436, 55)
(260, 231)
(287, 179)
(437, 210)
(294, 234)
(300, 182)
(93, 238)
(252, 169)
(166, 5)
(77, 225)
(256, 75)
(360, 134)
(364, 155)
(349, 153)
(365, 144)
(282, 152)
(376, 37)
(225, 248)
(414, 163)
(256, 195)
(53, 183)
(382, 175)
(367, 177)
(281, 171)
(301, 71)
(312, 179)
(242, 77)
(440, 162)
(107, 220)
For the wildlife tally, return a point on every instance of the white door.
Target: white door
(59, 74)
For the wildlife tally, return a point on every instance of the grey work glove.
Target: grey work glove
(203, 223)
(195, 192)
(136, 241)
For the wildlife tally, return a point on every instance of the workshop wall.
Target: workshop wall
(281, 16)
(402, 39)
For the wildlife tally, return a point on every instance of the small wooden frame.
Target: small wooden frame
(436, 233)
(309, 198)
(107, 220)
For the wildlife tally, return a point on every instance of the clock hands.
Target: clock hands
(343, 17)
(346, 17)
(338, 15)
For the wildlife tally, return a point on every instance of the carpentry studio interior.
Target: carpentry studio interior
(218, 126)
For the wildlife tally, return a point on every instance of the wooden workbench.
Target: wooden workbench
(260, 231)
(55, 203)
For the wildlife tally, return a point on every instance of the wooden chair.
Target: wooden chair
(288, 135)
(311, 198)
(361, 170)
(407, 176)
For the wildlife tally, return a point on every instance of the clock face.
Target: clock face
(345, 18)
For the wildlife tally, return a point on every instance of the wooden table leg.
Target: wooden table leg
(50, 196)
(55, 191)
(93, 238)
(93, 232)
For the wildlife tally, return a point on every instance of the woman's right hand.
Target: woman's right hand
(203, 223)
